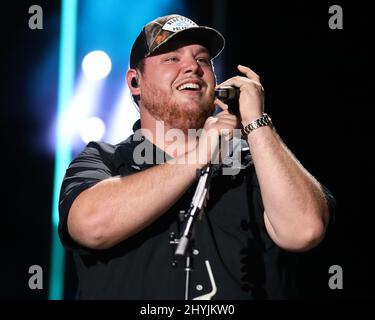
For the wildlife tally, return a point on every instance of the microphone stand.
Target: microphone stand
(183, 244)
(196, 209)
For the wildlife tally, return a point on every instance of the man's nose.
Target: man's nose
(191, 65)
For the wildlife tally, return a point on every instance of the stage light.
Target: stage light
(92, 129)
(96, 65)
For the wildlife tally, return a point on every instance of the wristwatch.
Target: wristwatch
(263, 121)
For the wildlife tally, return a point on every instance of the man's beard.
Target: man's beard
(174, 114)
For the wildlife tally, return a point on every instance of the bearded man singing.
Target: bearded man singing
(117, 215)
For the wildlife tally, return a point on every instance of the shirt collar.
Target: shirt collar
(124, 154)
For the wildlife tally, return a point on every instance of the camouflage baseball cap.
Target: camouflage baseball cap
(159, 31)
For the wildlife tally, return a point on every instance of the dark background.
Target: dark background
(317, 92)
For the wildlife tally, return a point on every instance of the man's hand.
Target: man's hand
(251, 101)
(214, 128)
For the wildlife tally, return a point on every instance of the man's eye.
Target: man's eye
(204, 61)
(172, 59)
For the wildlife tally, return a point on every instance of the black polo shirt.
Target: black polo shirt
(231, 250)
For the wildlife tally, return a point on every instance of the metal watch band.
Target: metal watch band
(264, 120)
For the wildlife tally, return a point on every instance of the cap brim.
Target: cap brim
(210, 38)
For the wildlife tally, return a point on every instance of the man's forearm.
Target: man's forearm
(119, 207)
(295, 207)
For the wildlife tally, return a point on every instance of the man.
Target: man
(117, 214)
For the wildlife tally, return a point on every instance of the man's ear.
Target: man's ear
(132, 80)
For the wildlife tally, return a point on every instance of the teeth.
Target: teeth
(188, 86)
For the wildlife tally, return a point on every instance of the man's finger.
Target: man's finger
(221, 104)
(239, 82)
(248, 72)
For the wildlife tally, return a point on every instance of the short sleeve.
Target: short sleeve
(331, 203)
(91, 166)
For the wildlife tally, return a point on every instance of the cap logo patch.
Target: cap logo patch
(178, 24)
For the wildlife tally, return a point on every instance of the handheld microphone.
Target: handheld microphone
(226, 93)
(230, 96)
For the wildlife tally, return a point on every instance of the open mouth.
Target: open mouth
(188, 87)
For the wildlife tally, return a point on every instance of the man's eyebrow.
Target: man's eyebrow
(199, 50)
(204, 50)
(174, 49)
